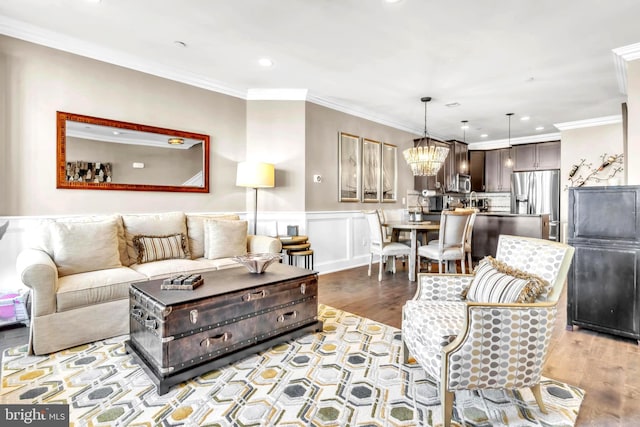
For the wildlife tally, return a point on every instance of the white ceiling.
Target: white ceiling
(552, 60)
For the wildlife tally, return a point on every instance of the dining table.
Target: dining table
(413, 227)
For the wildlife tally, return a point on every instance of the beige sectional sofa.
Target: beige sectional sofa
(79, 269)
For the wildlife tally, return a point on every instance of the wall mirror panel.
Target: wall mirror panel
(101, 154)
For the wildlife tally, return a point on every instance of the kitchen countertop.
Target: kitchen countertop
(492, 214)
(507, 214)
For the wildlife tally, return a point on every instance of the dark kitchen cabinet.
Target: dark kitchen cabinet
(462, 158)
(476, 169)
(541, 156)
(497, 174)
(603, 282)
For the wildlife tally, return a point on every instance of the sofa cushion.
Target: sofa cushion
(157, 248)
(40, 235)
(79, 247)
(224, 239)
(162, 224)
(496, 282)
(87, 289)
(195, 231)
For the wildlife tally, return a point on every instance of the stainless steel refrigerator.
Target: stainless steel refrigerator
(538, 192)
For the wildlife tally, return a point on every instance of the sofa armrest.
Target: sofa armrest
(263, 244)
(37, 270)
(441, 287)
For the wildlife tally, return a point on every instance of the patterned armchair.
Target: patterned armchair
(477, 345)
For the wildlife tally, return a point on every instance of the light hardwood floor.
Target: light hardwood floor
(605, 366)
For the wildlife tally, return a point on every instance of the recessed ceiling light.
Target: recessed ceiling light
(265, 62)
(484, 135)
(452, 104)
(180, 43)
(392, 1)
(115, 132)
(525, 118)
(540, 128)
(93, 1)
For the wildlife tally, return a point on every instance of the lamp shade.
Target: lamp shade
(255, 175)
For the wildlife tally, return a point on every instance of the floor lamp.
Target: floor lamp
(255, 175)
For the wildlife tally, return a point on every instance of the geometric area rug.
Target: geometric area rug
(350, 374)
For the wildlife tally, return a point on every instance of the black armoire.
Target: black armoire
(604, 282)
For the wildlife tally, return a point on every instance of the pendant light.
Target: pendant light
(509, 162)
(465, 126)
(427, 160)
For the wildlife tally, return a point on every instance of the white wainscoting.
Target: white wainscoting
(340, 240)
(15, 239)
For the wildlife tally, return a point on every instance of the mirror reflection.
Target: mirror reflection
(96, 153)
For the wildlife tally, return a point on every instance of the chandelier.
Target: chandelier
(425, 160)
(509, 162)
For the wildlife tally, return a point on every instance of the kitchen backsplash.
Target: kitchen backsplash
(498, 202)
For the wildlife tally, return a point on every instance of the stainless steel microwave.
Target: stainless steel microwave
(461, 184)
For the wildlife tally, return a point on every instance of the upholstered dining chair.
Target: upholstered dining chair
(392, 215)
(467, 238)
(496, 338)
(378, 245)
(450, 244)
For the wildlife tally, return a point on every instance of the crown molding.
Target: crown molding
(599, 121)
(621, 56)
(504, 143)
(282, 94)
(354, 111)
(23, 31)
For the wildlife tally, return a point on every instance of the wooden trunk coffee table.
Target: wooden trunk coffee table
(176, 335)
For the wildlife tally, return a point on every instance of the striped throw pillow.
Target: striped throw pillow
(491, 284)
(157, 248)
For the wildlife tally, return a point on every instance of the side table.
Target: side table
(297, 247)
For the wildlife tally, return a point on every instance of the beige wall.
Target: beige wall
(37, 81)
(588, 143)
(276, 134)
(323, 127)
(633, 105)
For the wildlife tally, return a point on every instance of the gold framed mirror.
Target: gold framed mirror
(102, 154)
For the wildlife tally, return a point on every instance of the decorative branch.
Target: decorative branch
(611, 164)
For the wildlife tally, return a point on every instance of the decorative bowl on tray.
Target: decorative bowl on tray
(257, 263)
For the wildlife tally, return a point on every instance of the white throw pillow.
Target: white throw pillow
(79, 247)
(195, 231)
(223, 239)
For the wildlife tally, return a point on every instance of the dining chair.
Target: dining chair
(467, 240)
(393, 215)
(378, 245)
(451, 240)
